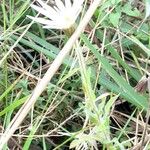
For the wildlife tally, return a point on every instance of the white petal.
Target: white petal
(51, 15)
(58, 25)
(40, 20)
(55, 27)
(77, 7)
(61, 16)
(67, 4)
(76, 12)
(77, 3)
(52, 27)
(60, 4)
(45, 6)
(57, 9)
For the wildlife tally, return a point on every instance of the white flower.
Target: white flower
(61, 16)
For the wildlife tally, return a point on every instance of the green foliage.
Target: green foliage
(101, 127)
(128, 9)
(134, 97)
(114, 18)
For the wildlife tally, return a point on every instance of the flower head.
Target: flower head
(60, 16)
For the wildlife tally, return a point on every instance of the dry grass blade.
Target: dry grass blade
(17, 120)
(147, 116)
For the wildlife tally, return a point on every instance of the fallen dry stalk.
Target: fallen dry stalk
(17, 120)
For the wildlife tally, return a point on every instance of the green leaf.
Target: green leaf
(109, 105)
(127, 9)
(114, 18)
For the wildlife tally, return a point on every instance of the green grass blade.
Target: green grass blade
(13, 105)
(42, 42)
(115, 54)
(9, 89)
(48, 52)
(143, 47)
(135, 98)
